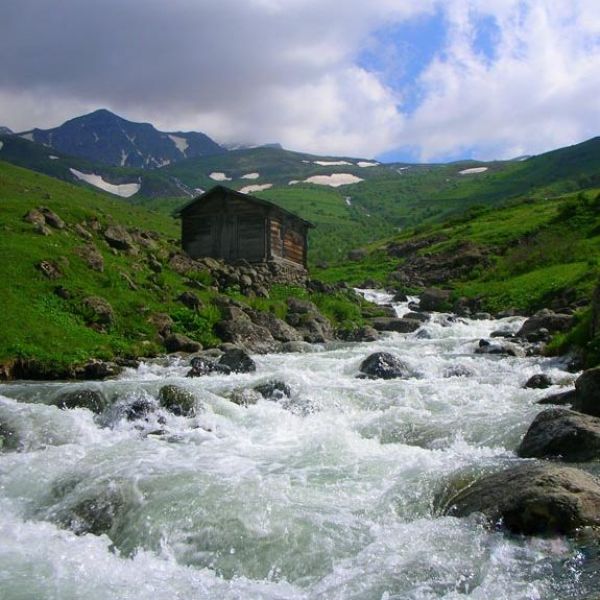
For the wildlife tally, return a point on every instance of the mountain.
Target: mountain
(118, 181)
(108, 139)
(5, 130)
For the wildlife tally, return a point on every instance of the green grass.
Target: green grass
(58, 331)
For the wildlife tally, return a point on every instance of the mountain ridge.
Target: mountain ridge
(104, 137)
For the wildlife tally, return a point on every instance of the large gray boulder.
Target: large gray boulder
(118, 237)
(533, 498)
(544, 320)
(383, 365)
(587, 396)
(559, 432)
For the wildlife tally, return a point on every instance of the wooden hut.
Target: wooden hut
(226, 224)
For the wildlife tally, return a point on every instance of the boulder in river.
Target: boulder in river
(273, 390)
(561, 398)
(587, 398)
(93, 400)
(383, 365)
(202, 365)
(533, 499)
(544, 320)
(559, 432)
(506, 349)
(399, 325)
(364, 333)
(177, 400)
(539, 381)
(238, 361)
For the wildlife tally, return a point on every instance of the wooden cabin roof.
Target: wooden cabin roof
(244, 197)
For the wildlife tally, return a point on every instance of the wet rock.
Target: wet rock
(118, 237)
(458, 371)
(177, 400)
(399, 296)
(202, 366)
(559, 432)
(587, 399)
(533, 499)
(300, 347)
(383, 365)
(544, 319)
(98, 370)
(92, 257)
(50, 269)
(502, 333)
(190, 300)
(93, 400)
(508, 349)
(560, 398)
(421, 316)
(177, 342)
(244, 397)
(95, 514)
(435, 299)
(399, 325)
(9, 438)
(273, 390)
(540, 381)
(51, 218)
(482, 316)
(63, 292)
(360, 334)
(237, 361)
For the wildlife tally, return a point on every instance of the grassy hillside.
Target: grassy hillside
(42, 159)
(49, 319)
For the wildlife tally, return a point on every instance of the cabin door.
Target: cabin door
(229, 237)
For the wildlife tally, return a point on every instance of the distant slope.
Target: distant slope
(527, 255)
(42, 159)
(106, 138)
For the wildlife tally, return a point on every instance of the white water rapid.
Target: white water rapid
(327, 495)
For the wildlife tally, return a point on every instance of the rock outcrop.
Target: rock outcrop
(559, 432)
(533, 499)
(587, 392)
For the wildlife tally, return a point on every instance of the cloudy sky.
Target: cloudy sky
(395, 79)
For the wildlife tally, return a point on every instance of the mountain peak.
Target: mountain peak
(5, 130)
(104, 137)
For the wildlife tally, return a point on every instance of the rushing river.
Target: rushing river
(327, 495)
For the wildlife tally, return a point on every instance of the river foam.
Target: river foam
(329, 494)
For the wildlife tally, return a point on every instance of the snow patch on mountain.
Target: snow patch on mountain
(180, 143)
(473, 170)
(251, 176)
(293, 182)
(52, 157)
(27, 136)
(125, 190)
(255, 188)
(218, 176)
(331, 163)
(334, 180)
(365, 163)
(1, 144)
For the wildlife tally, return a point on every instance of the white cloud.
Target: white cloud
(258, 71)
(539, 91)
